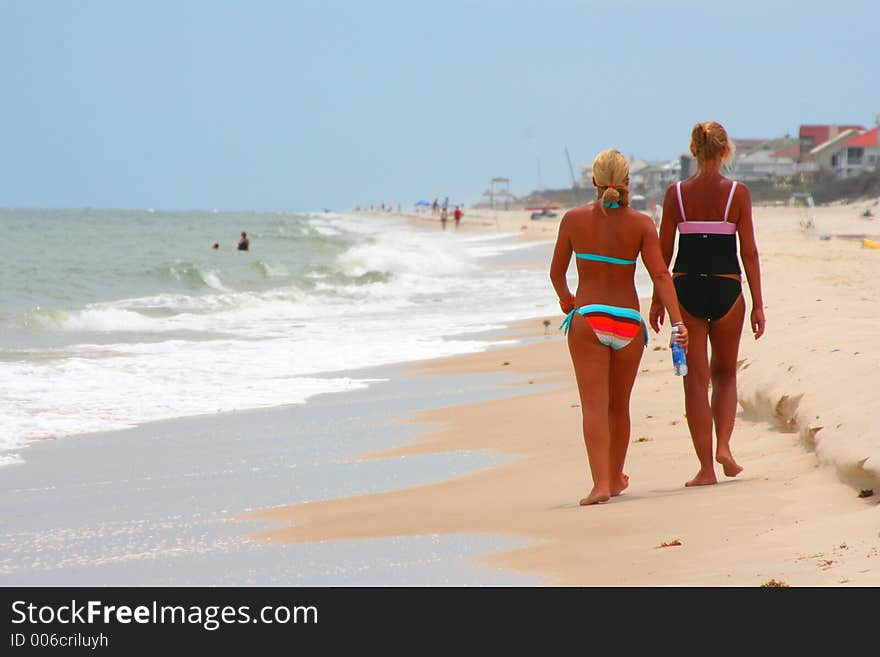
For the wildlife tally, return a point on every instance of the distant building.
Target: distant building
(832, 156)
(771, 160)
(649, 178)
(841, 150)
(586, 179)
(652, 179)
(764, 165)
(747, 146)
(687, 165)
(812, 136)
(851, 154)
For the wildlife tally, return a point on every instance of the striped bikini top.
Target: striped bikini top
(706, 247)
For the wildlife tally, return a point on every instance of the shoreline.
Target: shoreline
(163, 503)
(158, 502)
(784, 518)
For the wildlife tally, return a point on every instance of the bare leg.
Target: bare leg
(696, 398)
(624, 367)
(724, 336)
(591, 362)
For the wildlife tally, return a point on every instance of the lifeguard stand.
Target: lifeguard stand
(804, 201)
(801, 199)
(499, 188)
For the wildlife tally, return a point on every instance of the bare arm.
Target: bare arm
(666, 246)
(560, 262)
(658, 268)
(748, 251)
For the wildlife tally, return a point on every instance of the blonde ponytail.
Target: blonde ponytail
(611, 177)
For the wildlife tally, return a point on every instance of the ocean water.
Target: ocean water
(110, 319)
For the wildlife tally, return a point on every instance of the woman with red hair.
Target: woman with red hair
(709, 211)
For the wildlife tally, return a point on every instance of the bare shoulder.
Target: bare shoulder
(573, 214)
(566, 220)
(579, 210)
(742, 192)
(742, 200)
(565, 223)
(642, 220)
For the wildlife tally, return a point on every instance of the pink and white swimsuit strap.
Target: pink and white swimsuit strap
(706, 227)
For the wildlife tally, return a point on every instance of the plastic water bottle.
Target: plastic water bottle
(679, 362)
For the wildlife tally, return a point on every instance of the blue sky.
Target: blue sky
(265, 105)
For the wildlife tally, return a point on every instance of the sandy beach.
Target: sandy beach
(805, 510)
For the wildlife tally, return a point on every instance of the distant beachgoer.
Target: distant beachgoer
(457, 215)
(244, 244)
(215, 246)
(708, 211)
(444, 217)
(606, 333)
(435, 207)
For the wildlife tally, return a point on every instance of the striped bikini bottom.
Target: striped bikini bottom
(614, 327)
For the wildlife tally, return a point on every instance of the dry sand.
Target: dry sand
(807, 437)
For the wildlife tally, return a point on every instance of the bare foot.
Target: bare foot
(703, 479)
(595, 497)
(730, 466)
(621, 485)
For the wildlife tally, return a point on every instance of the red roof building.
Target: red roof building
(850, 153)
(748, 143)
(867, 139)
(811, 136)
(792, 151)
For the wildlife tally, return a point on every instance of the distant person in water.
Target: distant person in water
(215, 246)
(244, 244)
(457, 215)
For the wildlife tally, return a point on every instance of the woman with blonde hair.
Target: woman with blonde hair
(606, 334)
(708, 211)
